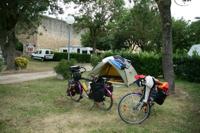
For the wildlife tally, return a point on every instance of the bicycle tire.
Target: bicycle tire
(128, 106)
(75, 97)
(107, 103)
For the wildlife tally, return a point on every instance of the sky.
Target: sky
(187, 12)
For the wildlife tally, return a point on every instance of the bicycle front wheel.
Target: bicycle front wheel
(130, 109)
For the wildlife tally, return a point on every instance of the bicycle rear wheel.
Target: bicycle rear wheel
(106, 104)
(130, 109)
(73, 91)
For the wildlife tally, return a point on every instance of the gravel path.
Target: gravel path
(16, 78)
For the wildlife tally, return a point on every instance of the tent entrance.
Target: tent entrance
(110, 72)
(113, 68)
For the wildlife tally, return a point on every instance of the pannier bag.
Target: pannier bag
(97, 90)
(158, 96)
(74, 89)
(76, 76)
(75, 70)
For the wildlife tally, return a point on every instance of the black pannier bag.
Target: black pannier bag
(75, 70)
(158, 96)
(76, 76)
(74, 89)
(97, 90)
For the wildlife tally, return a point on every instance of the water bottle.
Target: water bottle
(84, 86)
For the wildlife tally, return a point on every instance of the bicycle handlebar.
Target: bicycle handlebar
(84, 69)
(86, 79)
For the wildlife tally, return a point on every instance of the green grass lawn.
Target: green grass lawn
(35, 66)
(41, 106)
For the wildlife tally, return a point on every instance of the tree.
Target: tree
(181, 36)
(140, 25)
(167, 50)
(20, 13)
(95, 16)
(194, 32)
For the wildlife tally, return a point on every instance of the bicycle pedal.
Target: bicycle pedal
(152, 103)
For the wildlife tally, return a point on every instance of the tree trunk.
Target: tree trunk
(93, 41)
(8, 49)
(2, 42)
(94, 45)
(167, 58)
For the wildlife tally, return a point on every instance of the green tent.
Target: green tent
(111, 67)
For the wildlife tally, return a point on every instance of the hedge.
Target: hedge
(151, 64)
(188, 68)
(83, 58)
(144, 63)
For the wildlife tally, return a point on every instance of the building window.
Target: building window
(84, 51)
(78, 50)
(64, 50)
(47, 52)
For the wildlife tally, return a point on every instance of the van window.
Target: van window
(84, 51)
(47, 52)
(65, 50)
(51, 52)
(40, 52)
(78, 50)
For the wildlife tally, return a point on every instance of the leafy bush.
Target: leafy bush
(63, 68)
(21, 62)
(95, 60)
(83, 58)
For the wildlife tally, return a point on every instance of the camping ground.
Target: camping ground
(42, 106)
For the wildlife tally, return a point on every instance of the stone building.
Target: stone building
(52, 33)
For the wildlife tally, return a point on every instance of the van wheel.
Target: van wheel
(42, 59)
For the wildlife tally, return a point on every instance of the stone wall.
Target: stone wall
(53, 34)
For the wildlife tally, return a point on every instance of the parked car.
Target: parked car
(43, 54)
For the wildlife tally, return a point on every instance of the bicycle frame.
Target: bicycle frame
(76, 88)
(142, 95)
(107, 90)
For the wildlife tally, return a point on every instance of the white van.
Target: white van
(43, 54)
(77, 49)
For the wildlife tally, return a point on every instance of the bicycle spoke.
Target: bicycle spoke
(130, 109)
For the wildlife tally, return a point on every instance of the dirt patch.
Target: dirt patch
(180, 94)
